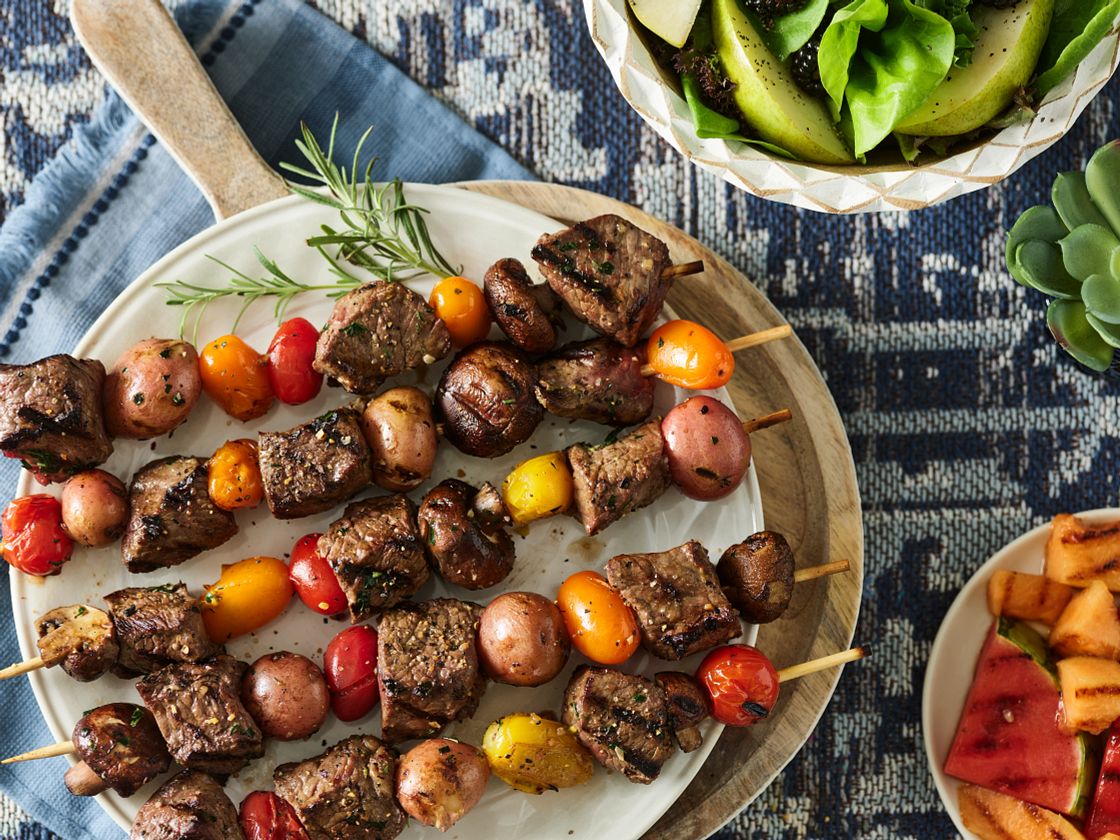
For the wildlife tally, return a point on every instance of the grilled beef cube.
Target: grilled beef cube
(121, 743)
(676, 598)
(158, 626)
(51, 416)
(376, 332)
(375, 551)
(597, 380)
(622, 719)
(528, 313)
(464, 539)
(346, 793)
(80, 638)
(618, 477)
(171, 516)
(427, 667)
(199, 711)
(609, 273)
(191, 806)
(315, 466)
(688, 707)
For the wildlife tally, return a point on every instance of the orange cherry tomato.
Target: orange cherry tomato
(602, 627)
(235, 475)
(688, 355)
(236, 377)
(248, 595)
(461, 306)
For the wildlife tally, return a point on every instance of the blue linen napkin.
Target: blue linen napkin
(114, 202)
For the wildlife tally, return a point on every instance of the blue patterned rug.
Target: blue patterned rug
(967, 424)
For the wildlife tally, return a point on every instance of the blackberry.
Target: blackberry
(806, 69)
(770, 9)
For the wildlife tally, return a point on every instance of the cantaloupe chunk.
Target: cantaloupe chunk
(1090, 693)
(1078, 552)
(1089, 625)
(997, 816)
(1109, 836)
(1027, 597)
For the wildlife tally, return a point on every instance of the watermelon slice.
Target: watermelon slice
(1104, 816)
(1008, 738)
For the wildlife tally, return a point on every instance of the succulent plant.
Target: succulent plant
(1071, 252)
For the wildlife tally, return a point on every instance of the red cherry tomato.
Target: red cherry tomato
(290, 355)
(350, 663)
(265, 816)
(33, 539)
(741, 684)
(314, 579)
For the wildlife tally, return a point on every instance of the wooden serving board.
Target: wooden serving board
(809, 494)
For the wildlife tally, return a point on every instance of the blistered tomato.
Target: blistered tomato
(33, 539)
(248, 595)
(350, 663)
(461, 305)
(314, 579)
(235, 475)
(265, 816)
(602, 627)
(236, 377)
(741, 683)
(290, 355)
(688, 355)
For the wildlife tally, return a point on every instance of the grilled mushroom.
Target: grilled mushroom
(757, 576)
(80, 638)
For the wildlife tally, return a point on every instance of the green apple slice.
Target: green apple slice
(670, 20)
(1004, 60)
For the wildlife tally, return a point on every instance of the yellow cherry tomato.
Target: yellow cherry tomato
(236, 377)
(248, 595)
(461, 306)
(539, 487)
(688, 355)
(235, 475)
(602, 627)
(534, 754)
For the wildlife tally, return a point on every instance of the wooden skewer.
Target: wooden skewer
(61, 748)
(22, 668)
(767, 420)
(682, 269)
(814, 572)
(743, 342)
(793, 672)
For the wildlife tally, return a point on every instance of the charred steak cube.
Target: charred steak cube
(171, 516)
(158, 626)
(346, 793)
(609, 273)
(375, 551)
(597, 380)
(622, 719)
(51, 416)
(427, 667)
(618, 477)
(676, 597)
(122, 745)
(376, 332)
(198, 708)
(315, 466)
(191, 806)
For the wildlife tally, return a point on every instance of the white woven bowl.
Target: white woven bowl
(838, 189)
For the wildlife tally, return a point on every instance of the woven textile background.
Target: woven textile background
(967, 424)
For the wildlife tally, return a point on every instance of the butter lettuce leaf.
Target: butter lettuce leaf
(1078, 26)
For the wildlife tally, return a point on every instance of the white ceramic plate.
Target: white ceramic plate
(470, 229)
(952, 661)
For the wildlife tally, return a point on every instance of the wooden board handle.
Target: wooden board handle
(140, 50)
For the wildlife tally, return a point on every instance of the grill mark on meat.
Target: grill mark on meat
(566, 266)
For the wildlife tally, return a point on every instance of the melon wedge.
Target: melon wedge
(1008, 739)
(1027, 597)
(1104, 816)
(1078, 552)
(1089, 625)
(996, 816)
(1090, 693)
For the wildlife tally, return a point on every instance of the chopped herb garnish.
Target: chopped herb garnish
(137, 716)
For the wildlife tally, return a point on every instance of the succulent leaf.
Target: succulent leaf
(1088, 250)
(1101, 296)
(1039, 266)
(1109, 332)
(1102, 179)
(1074, 204)
(1072, 330)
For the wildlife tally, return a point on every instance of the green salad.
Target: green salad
(846, 81)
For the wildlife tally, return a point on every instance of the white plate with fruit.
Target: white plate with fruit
(1022, 690)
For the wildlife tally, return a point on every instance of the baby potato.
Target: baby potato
(401, 434)
(539, 487)
(522, 639)
(440, 780)
(287, 695)
(151, 389)
(533, 754)
(707, 448)
(94, 508)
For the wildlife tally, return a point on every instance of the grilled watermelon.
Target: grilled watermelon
(1104, 816)
(1008, 738)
